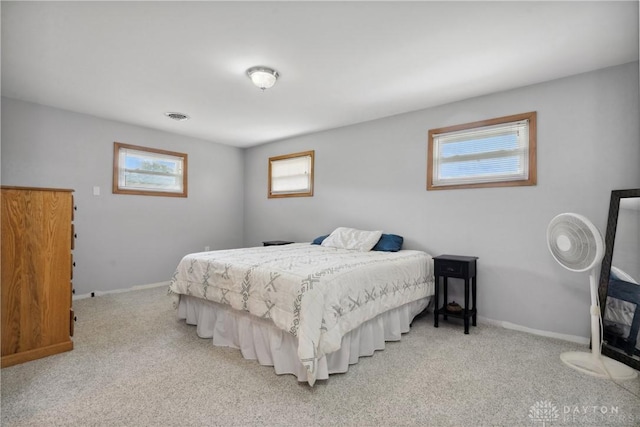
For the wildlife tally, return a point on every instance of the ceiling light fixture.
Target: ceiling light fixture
(177, 116)
(263, 77)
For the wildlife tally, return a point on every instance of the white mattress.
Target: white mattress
(258, 339)
(317, 294)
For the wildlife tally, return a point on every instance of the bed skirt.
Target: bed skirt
(259, 339)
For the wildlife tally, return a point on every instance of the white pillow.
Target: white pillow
(351, 238)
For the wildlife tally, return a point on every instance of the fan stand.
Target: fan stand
(594, 363)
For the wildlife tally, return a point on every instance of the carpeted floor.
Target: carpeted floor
(135, 364)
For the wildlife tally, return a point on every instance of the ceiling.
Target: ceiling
(340, 63)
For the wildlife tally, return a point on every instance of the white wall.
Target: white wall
(373, 176)
(123, 240)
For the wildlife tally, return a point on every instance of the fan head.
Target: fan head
(575, 242)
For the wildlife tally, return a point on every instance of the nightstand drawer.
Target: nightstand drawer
(454, 266)
(444, 268)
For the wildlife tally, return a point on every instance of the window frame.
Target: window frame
(532, 172)
(308, 193)
(117, 171)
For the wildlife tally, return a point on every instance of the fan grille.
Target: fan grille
(574, 242)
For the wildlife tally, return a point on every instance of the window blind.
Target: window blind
(150, 171)
(485, 154)
(291, 175)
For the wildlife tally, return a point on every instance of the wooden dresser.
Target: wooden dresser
(37, 268)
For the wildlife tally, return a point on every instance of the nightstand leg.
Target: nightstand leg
(446, 298)
(436, 306)
(473, 297)
(466, 306)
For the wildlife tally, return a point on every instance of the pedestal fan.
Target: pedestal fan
(578, 246)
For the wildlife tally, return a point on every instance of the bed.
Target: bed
(306, 309)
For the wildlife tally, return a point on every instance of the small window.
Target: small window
(148, 171)
(291, 175)
(492, 153)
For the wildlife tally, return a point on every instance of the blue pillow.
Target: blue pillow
(318, 240)
(389, 243)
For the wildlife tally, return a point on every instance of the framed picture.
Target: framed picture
(148, 171)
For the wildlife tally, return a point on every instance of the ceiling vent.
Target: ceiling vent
(177, 116)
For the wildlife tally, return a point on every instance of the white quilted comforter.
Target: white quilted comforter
(316, 293)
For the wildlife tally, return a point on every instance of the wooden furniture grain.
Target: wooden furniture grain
(37, 238)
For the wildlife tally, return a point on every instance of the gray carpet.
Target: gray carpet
(135, 364)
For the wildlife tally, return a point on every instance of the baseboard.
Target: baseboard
(36, 353)
(117, 291)
(513, 326)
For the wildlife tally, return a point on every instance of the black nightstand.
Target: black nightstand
(276, 242)
(459, 267)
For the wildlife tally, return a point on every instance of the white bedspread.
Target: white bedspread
(316, 293)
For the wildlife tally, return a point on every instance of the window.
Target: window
(148, 171)
(291, 175)
(492, 153)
